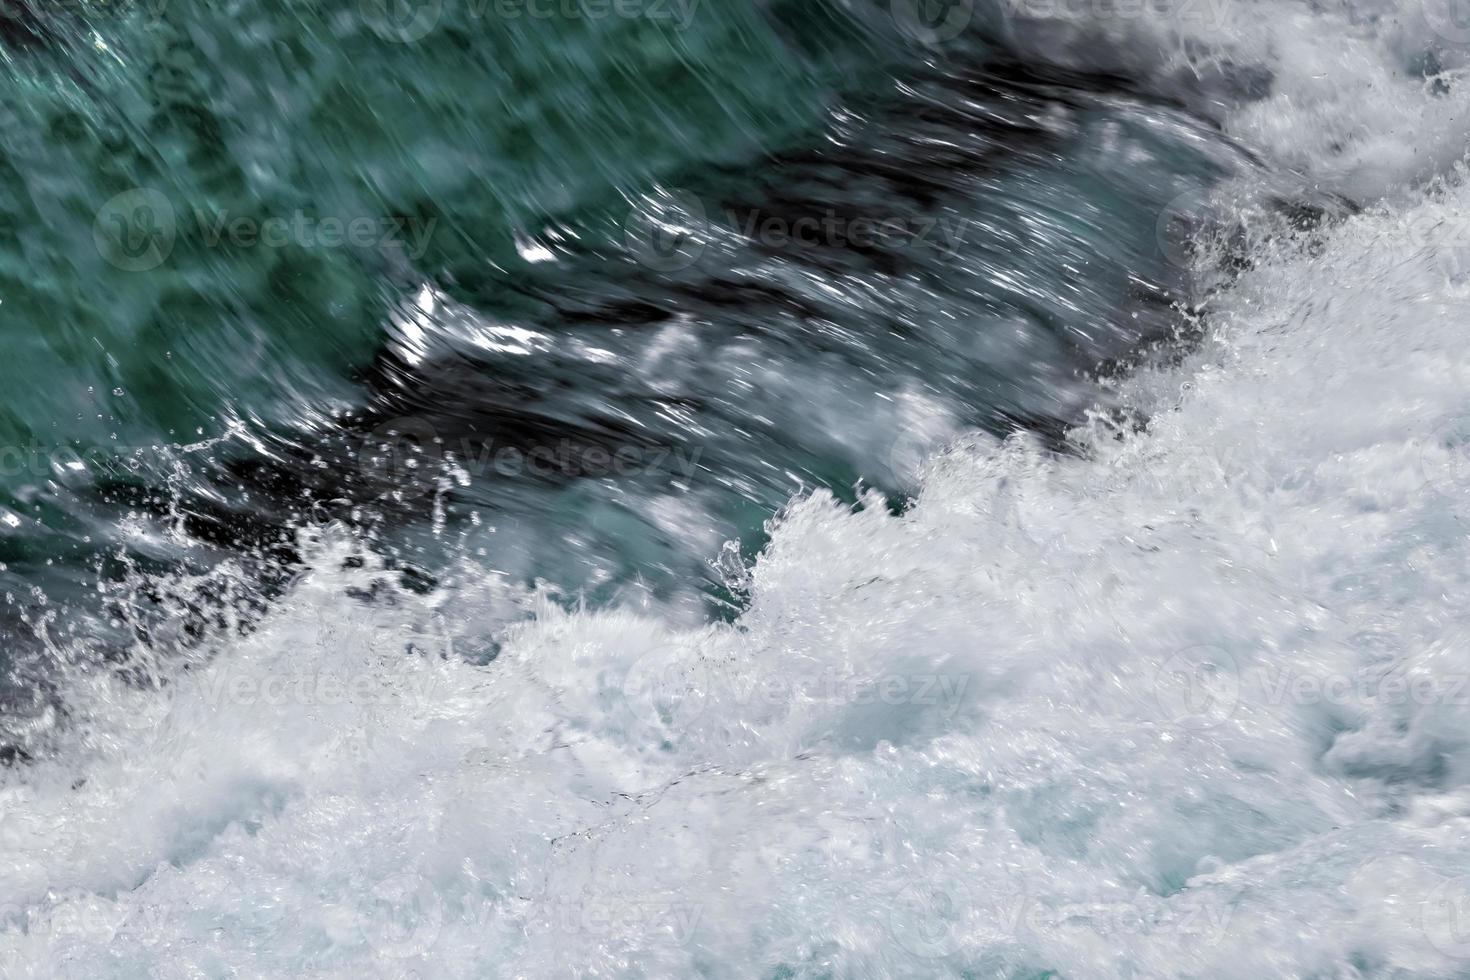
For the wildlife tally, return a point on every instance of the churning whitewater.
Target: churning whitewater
(1181, 691)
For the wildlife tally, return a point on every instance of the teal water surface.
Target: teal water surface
(267, 263)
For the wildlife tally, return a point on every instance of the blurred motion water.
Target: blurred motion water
(311, 260)
(823, 488)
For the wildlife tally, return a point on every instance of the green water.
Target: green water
(221, 221)
(262, 110)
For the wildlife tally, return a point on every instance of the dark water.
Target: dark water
(585, 298)
(469, 501)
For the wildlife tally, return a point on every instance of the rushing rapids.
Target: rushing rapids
(724, 490)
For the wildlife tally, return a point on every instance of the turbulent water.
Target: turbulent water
(673, 488)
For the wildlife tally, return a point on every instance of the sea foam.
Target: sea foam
(1189, 701)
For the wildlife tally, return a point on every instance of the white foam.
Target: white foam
(1132, 712)
(1338, 92)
